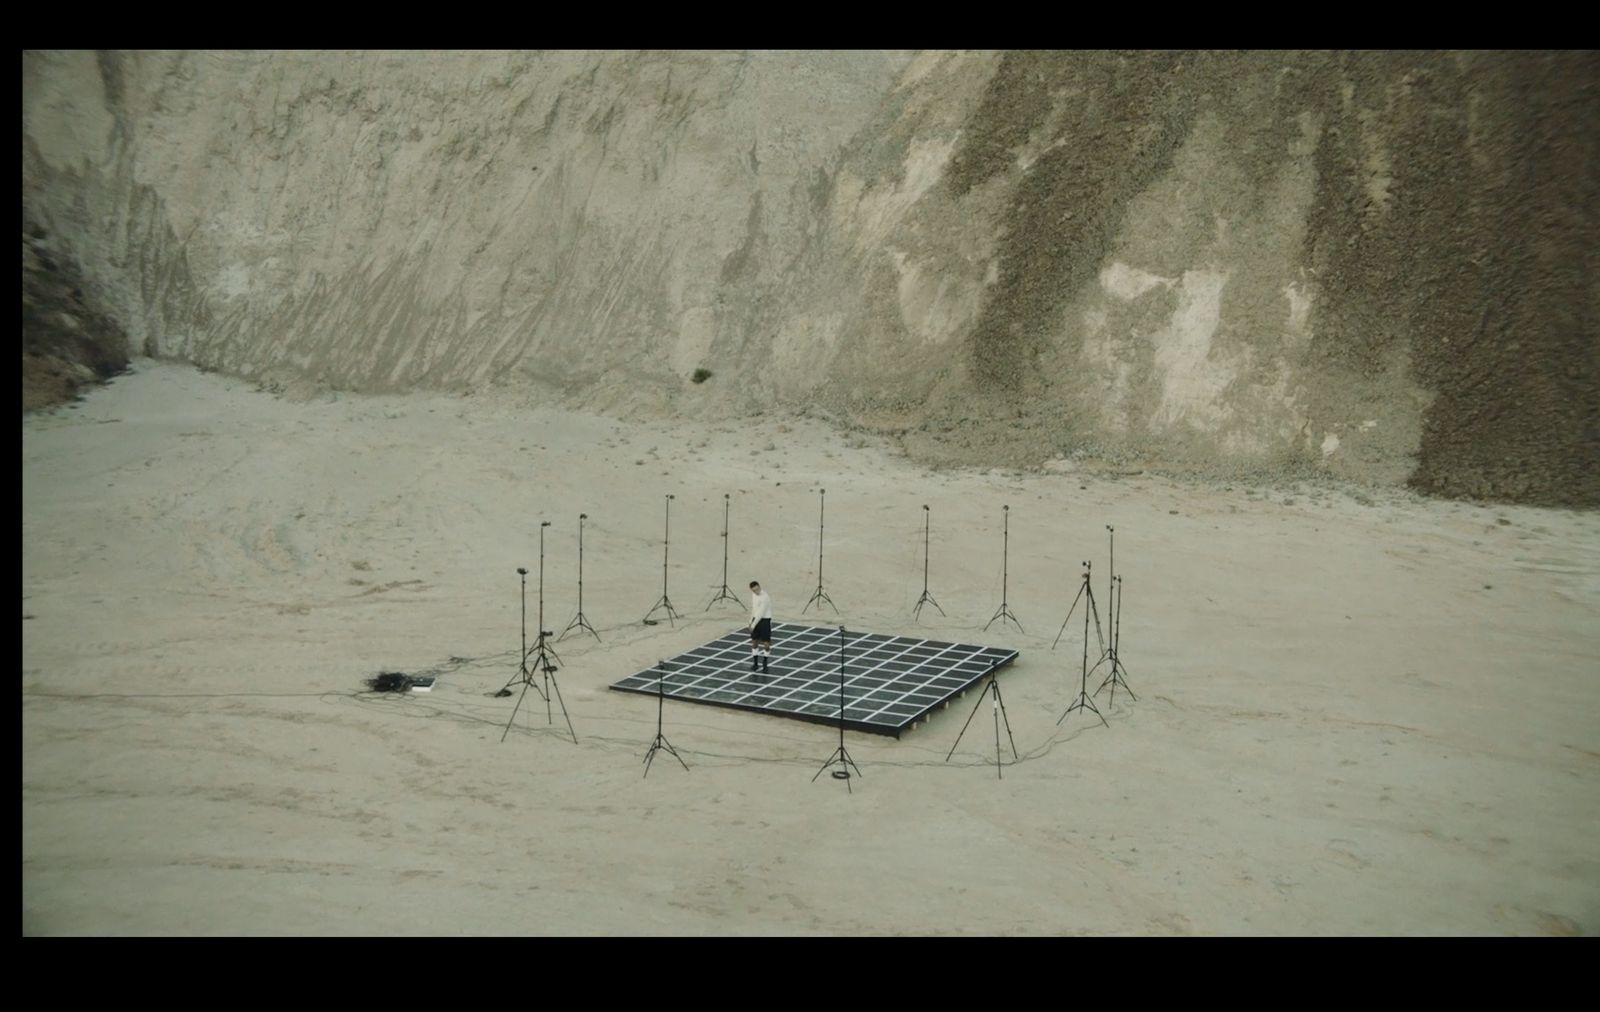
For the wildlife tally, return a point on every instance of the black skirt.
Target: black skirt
(762, 631)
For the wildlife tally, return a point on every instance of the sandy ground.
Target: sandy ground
(1357, 714)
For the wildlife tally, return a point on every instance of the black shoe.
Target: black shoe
(763, 665)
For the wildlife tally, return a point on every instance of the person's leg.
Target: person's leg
(755, 653)
(761, 634)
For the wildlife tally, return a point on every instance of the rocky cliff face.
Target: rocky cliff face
(1381, 266)
(66, 343)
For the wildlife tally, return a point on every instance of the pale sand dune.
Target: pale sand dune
(1352, 719)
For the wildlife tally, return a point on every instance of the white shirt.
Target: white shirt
(760, 607)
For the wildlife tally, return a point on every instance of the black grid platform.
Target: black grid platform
(890, 682)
